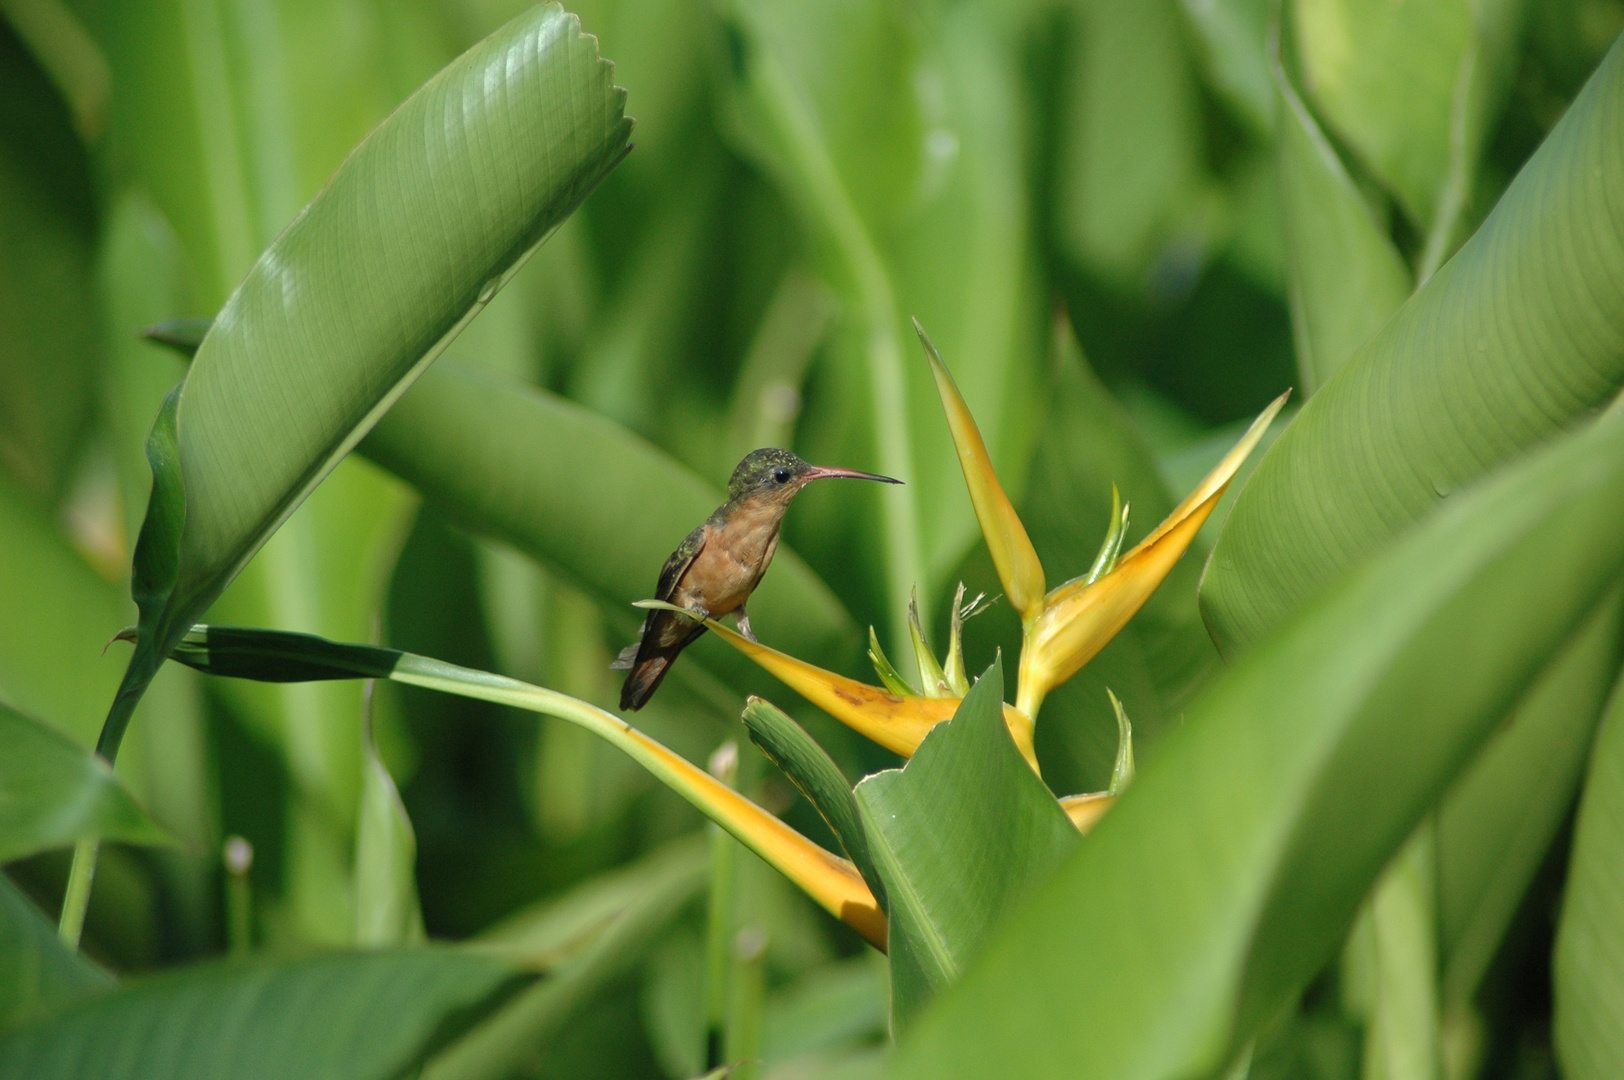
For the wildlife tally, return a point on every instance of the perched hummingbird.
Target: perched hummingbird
(716, 569)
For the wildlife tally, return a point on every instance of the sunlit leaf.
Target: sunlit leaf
(959, 835)
(1223, 881)
(1514, 339)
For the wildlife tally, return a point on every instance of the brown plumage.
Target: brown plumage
(714, 571)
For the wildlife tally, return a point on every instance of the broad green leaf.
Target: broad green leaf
(53, 793)
(627, 915)
(1129, 164)
(1513, 340)
(38, 974)
(893, 134)
(835, 1004)
(1343, 275)
(1412, 88)
(1496, 825)
(959, 835)
(816, 776)
(387, 911)
(557, 481)
(1588, 963)
(347, 1016)
(253, 436)
(1223, 880)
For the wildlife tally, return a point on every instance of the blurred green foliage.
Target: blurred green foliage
(805, 177)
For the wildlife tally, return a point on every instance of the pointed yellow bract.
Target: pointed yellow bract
(1079, 618)
(896, 722)
(1085, 811)
(1012, 551)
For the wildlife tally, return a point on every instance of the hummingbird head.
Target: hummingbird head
(780, 475)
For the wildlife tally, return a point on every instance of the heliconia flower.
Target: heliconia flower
(1080, 617)
(1067, 627)
(898, 722)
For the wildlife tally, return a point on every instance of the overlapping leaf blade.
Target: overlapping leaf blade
(1210, 892)
(428, 216)
(1519, 335)
(38, 974)
(53, 793)
(344, 1017)
(959, 836)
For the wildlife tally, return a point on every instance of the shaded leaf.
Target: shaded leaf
(53, 793)
(1221, 883)
(1496, 826)
(38, 974)
(628, 912)
(959, 835)
(387, 911)
(1518, 336)
(345, 1017)
(1343, 275)
(1588, 963)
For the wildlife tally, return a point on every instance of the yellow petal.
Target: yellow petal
(1080, 618)
(897, 723)
(1085, 811)
(1012, 551)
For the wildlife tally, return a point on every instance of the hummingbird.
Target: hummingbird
(714, 571)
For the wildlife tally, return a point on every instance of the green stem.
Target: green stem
(77, 899)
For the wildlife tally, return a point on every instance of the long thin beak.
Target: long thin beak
(826, 472)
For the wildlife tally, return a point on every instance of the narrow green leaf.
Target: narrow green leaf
(816, 776)
(295, 371)
(38, 974)
(53, 793)
(184, 334)
(387, 911)
(1496, 825)
(344, 1017)
(1343, 275)
(1221, 884)
(887, 671)
(1123, 771)
(1516, 338)
(582, 493)
(1588, 1022)
(959, 835)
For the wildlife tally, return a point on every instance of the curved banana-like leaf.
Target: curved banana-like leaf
(1222, 882)
(580, 492)
(1516, 337)
(1080, 617)
(427, 217)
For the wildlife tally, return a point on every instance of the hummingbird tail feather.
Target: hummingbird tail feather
(627, 658)
(643, 681)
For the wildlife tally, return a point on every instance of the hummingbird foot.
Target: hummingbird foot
(743, 621)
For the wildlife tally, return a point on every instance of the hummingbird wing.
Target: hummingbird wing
(650, 656)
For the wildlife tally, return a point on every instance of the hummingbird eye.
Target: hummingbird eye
(782, 476)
